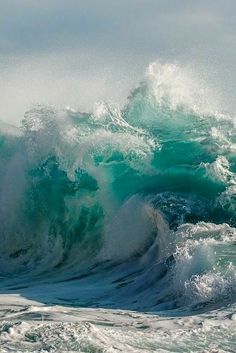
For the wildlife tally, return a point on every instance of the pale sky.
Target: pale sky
(75, 52)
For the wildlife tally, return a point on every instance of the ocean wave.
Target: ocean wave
(141, 197)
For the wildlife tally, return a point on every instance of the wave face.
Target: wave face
(124, 208)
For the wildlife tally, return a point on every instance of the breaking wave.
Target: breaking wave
(136, 203)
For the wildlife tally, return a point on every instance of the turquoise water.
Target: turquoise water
(123, 208)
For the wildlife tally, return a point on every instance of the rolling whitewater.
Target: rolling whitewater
(118, 227)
